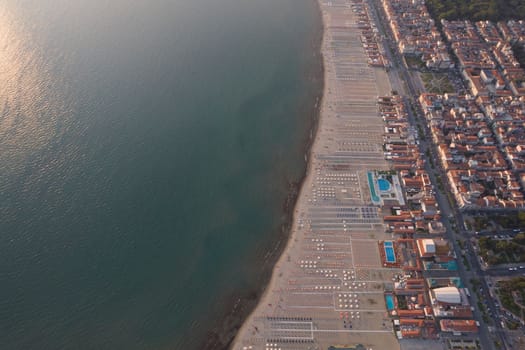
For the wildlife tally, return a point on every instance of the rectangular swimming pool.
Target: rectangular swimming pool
(389, 252)
(375, 198)
(389, 302)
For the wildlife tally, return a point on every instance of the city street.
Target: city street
(405, 85)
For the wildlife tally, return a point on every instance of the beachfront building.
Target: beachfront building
(370, 37)
(445, 296)
(407, 328)
(458, 326)
(409, 302)
(450, 302)
(436, 254)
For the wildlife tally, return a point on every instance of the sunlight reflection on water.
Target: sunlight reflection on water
(31, 101)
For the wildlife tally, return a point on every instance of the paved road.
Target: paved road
(476, 272)
(404, 83)
(504, 271)
(465, 275)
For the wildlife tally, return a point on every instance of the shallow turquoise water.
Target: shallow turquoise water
(147, 151)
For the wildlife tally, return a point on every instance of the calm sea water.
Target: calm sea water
(146, 149)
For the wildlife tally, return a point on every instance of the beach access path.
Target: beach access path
(328, 286)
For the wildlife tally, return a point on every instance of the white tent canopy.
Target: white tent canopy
(449, 295)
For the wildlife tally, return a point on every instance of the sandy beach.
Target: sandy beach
(327, 287)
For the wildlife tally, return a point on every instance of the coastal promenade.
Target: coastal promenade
(327, 288)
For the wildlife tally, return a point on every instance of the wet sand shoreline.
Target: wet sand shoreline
(327, 286)
(237, 308)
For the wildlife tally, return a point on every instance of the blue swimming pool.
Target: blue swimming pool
(373, 194)
(389, 252)
(389, 302)
(451, 265)
(383, 184)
